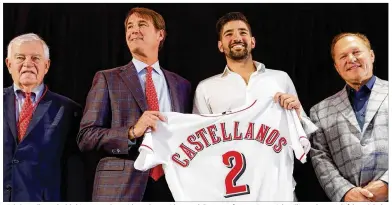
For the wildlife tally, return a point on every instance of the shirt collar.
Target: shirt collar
(37, 90)
(259, 68)
(369, 85)
(140, 66)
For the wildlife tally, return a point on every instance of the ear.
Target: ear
(47, 65)
(161, 35)
(372, 56)
(8, 63)
(253, 42)
(220, 46)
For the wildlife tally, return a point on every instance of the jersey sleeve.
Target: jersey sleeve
(153, 150)
(299, 142)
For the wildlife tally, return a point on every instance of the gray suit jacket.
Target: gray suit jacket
(343, 155)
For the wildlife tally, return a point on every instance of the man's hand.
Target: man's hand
(288, 101)
(379, 189)
(358, 194)
(148, 119)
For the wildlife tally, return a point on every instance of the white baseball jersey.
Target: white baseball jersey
(243, 155)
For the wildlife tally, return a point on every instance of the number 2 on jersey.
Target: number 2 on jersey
(237, 163)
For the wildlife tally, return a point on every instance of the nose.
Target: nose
(352, 58)
(28, 62)
(237, 36)
(135, 29)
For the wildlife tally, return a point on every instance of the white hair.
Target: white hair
(27, 38)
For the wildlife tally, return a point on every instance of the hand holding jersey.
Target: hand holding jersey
(243, 155)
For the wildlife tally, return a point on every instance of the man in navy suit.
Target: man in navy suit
(39, 130)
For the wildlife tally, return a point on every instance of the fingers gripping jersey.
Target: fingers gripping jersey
(244, 155)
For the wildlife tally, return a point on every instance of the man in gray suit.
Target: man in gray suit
(350, 148)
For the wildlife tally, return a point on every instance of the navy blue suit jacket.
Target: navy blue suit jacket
(42, 166)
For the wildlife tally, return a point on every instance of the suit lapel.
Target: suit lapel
(377, 97)
(129, 75)
(172, 86)
(343, 105)
(9, 110)
(40, 111)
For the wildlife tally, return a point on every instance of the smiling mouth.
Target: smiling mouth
(353, 67)
(134, 39)
(238, 46)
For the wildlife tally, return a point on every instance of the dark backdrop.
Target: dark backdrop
(86, 38)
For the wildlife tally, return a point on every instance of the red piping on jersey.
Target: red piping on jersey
(224, 113)
(302, 156)
(147, 147)
(302, 137)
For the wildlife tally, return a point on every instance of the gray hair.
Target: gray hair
(27, 38)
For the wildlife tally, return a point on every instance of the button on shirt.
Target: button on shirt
(359, 100)
(20, 98)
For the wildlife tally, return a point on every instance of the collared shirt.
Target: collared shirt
(228, 90)
(36, 94)
(359, 99)
(159, 83)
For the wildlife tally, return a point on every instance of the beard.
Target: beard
(238, 55)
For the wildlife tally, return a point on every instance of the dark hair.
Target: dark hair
(232, 16)
(342, 35)
(154, 17)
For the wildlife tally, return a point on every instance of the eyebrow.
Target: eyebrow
(19, 54)
(230, 30)
(141, 21)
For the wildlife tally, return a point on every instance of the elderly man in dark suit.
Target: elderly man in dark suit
(39, 130)
(350, 149)
(122, 104)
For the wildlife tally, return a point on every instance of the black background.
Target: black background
(295, 38)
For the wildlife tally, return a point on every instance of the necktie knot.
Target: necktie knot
(149, 69)
(27, 94)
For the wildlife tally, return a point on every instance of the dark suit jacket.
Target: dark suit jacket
(38, 168)
(115, 103)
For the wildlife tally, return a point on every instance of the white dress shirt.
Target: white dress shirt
(227, 91)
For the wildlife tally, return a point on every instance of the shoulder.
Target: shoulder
(111, 71)
(64, 101)
(211, 80)
(276, 73)
(177, 77)
(381, 82)
(8, 90)
(325, 103)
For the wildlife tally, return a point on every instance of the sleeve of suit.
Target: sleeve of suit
(306, 123)
(385, 177)
(334, 185)
(95, 127)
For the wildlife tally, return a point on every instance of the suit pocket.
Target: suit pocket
(111, 164)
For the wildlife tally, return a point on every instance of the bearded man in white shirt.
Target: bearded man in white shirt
(244, 79)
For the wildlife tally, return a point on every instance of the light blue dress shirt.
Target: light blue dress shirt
(160, 85)
(36, 94)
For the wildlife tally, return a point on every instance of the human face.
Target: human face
(236, 41)
(142, 37)
(353, 60)
(27, 64)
